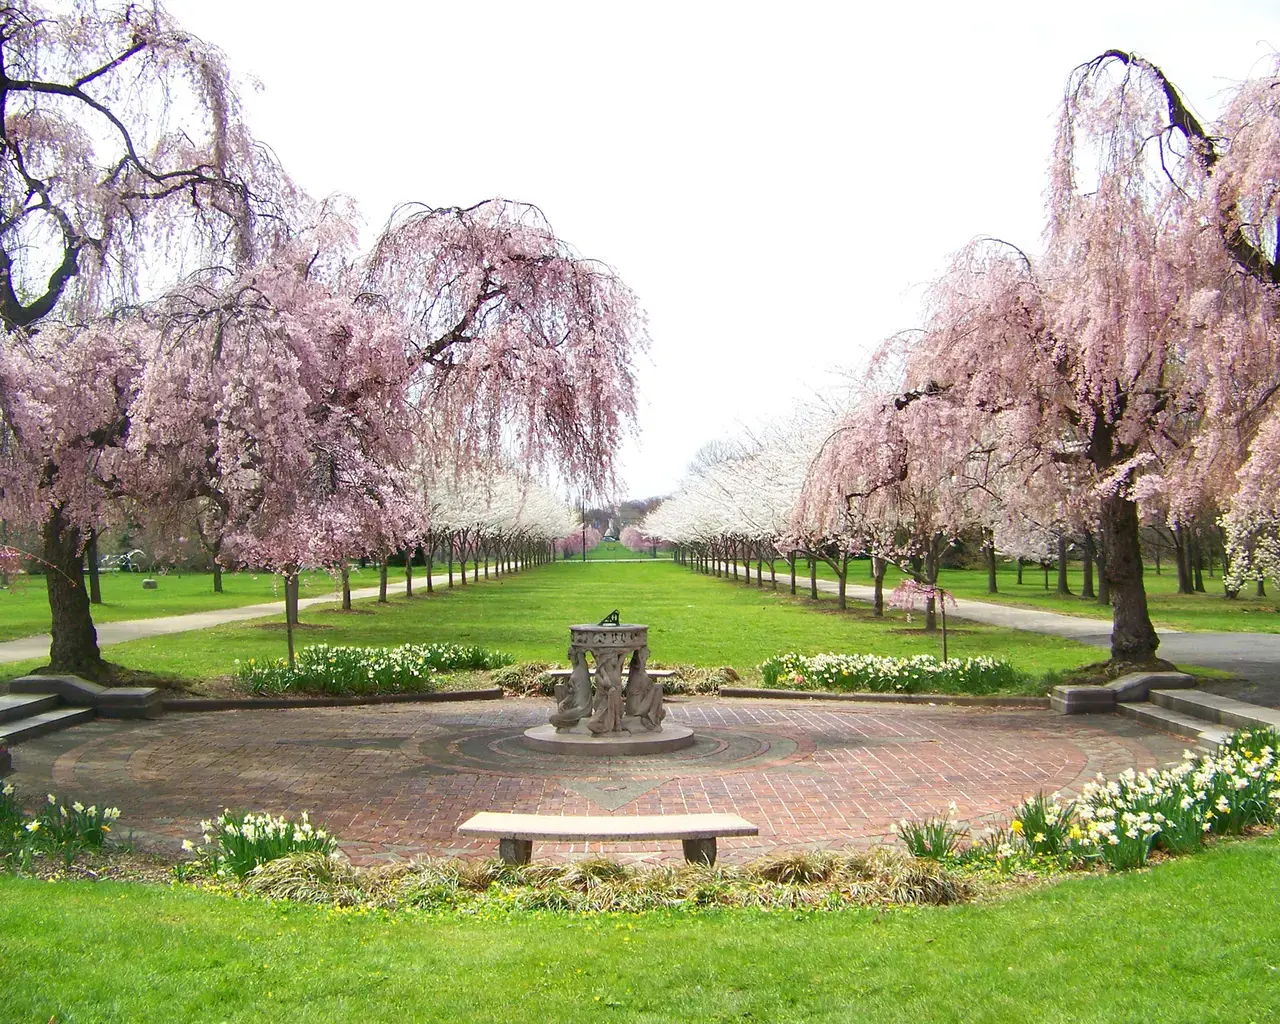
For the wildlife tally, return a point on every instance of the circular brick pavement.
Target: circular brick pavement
(394, 781)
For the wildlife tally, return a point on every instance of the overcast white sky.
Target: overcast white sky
(777, 182)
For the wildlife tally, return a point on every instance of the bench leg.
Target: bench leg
(520, 851)
(700, 851)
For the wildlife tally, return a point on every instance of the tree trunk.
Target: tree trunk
(74, 649)
(1063, 589)
(408, 572)
(992, 585)
(1133, 638)
(1262, 588)
(91, 555)
(291, 598)
(1197, 570)
(1104, 588)
(290, 611)
(813, 578)
(346, 589)
(217, 577)
(1086, 588)
(1019, 572)
(792, 563)
(1180, 553)
(759, 574)
(931, 578)
(382, 580)
(841, 599)
(879, 567)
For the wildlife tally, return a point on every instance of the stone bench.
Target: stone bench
(653, 673)
(516, 832)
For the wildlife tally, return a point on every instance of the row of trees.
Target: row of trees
(1129, 371)
(189, 335)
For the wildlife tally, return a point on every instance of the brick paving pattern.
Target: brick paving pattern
(395, 781)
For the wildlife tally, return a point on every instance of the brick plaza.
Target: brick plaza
(394, 781)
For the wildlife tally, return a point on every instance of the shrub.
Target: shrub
(523, 680)
(868, 672)
(348, 671)
(235, 844)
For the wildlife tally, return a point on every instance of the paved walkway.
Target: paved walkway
(395, 781)
(110, 633)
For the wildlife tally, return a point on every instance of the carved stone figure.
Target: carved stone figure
(606, 709)
(644, 708)
(573, 698)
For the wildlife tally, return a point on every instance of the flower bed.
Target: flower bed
(870, 673)
(353, 671)
(56, 829)
(235, 844)
(1118, 823)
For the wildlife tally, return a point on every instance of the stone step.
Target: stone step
(47, 721)
(1213, 707)
(1207, 735)
(23, 705)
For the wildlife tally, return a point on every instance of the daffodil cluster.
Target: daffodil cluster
(235, 844)
(1118, 822)
(56, 827)
(868, 672)
(359, 670)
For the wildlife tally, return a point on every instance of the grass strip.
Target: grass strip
(1186, 941)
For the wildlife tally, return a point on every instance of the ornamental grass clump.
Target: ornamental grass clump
(872, 673)
(796, 881)
(235, 844)
(356, 671)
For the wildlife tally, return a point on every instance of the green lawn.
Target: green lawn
(1193, 940)
(24, 609)
(693, 620)
(1209, 611)
(613, 550)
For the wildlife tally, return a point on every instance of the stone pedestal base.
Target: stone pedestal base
(579, 740)
(517, 851)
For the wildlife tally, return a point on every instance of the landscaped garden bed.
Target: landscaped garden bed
(922, 673)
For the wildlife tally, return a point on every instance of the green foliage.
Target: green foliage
(235, 844)
(346, 671)
(871, 673)
(815, 881)
(524, 679)
(56, 829)
(1046, 827)
(933, 838)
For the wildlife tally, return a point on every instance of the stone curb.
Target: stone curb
(892, 698)
(197, 704)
